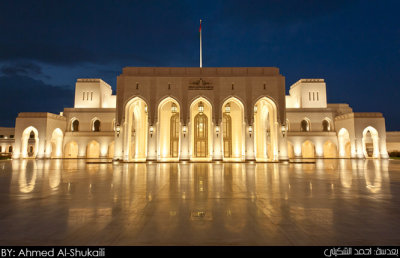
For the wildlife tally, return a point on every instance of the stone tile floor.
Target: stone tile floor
(329, 202)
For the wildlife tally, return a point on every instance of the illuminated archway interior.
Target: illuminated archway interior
(169, 129)
(370, 142)
(135, 136)
(111, 149)
(265, 130)
(330, 149)
(201, 129)
(93, 150)
(233, 130)
(344, 143)
(56, 143)
(71, 150)
(290, 150)
(30, 142)
(308, 149)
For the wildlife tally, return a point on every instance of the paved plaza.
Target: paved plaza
(84, 202)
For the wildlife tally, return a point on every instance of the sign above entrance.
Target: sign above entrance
(200, 85)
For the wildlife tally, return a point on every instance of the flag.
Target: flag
(200, 27)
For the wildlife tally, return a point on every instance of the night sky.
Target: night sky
(46, 45)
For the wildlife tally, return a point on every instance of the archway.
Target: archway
(290, 150)
(330, 150)
(265, 130)
(74, 125)
(96, 125)
(233, 129)
(169, 129)
(344, 143)
(56, 143)
(326, 125)
(93, 150)
(71, 150)
(308, 149)
(30, 142)
(201, 128)
(111, 150)
(370, 142)
(135, 130)
(305, 125)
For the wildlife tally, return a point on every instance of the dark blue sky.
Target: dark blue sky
(46, 45)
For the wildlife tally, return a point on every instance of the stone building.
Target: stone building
(201, 114)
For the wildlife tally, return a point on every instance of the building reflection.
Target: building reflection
(232, 197)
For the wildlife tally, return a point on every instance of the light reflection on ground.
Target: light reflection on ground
(329, 202)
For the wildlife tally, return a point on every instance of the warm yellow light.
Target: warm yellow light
(201, 107)
(174, 108)
(227, 108)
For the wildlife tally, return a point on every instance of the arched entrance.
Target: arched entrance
(169, 129)
(30, 142)
(93, 150)
(344, 143)
(290, 150)
(56, 143)
(370, 142)
(330, 150)
(71, 150)
(111, 150)
(201, 124)
(233, 129)
(265, 130)
(308, 149)
(135, 130)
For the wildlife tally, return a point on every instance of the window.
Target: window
(326, 127)
(317, 97)
(174, 135)
(1, 149)
(11, 136)
(1, 136)
(75, 126)
(227, 134)
(10, 149)
(305, 126)
(200, 135)
(96, 126)
(32, 135)
(309, 96)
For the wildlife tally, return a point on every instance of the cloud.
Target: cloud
(25, 94)
(21, 68)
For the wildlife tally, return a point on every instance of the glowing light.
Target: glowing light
(228, 108)
(201, 107)
(174, 108)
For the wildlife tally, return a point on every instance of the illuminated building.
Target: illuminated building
(201, 114)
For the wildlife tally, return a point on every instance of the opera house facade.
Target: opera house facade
(199, 114)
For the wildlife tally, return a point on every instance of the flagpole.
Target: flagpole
(201, 55)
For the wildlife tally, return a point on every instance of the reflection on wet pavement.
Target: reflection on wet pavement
(329, 202)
